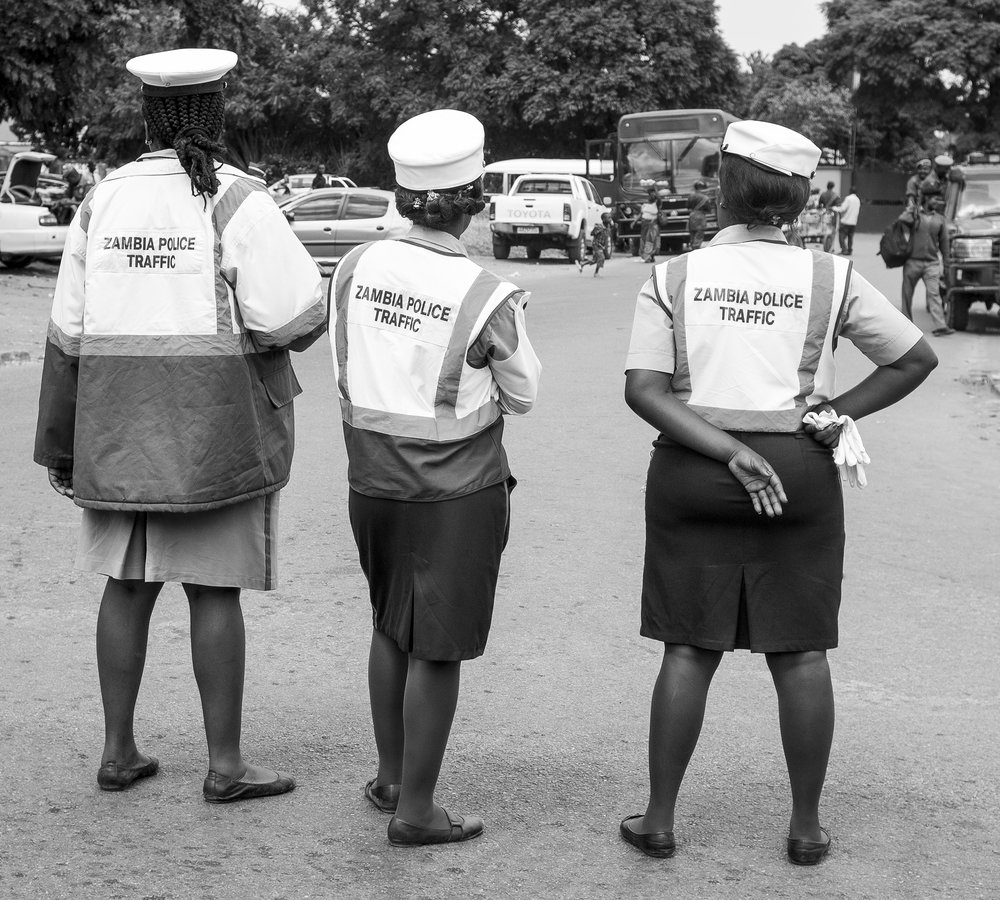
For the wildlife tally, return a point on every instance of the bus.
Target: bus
(500, 175)
(667, 150)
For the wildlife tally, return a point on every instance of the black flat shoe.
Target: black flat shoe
(222, 789)
(112, 777)
(658, 844)
(384, 798)
(463, 828)
(808, 853)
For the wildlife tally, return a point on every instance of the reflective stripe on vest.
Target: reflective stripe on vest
(484, 296)
(779, 420)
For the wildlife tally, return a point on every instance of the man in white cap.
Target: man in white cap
(166, 403)
(430, 353)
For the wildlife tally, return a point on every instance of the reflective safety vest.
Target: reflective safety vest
(167, 384)
(420, 421)
(755, 326)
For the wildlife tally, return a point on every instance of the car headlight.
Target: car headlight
(47, 219)
(972, 249)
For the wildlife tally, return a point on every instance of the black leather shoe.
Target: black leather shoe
(463, 828)
(808, 853)
(112, 777)
(384, 798)
(659, 844)
(222, 789)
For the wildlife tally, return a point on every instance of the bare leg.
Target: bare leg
(218, 652)
(387, 666)
(429, 704)
(676, 714)
(806, 717)
(122, 631)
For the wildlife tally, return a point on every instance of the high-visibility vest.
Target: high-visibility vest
(755, 326)
(404, 316)
(167, 384)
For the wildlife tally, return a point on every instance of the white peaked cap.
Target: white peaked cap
(439, 149)
(772, 147)
(190, 71)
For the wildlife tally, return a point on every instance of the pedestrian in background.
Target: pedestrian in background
(928, 244)
(600, 238)
(319, 179)
(424, 389)
(848, 210)
(166, 404)
(827, 201)
(744, 507)
(649, 223)
(915, 183)
(699, 206)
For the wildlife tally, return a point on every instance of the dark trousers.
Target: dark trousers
(847, 239)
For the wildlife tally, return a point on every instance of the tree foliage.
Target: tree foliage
(330, 82)
(925, 69)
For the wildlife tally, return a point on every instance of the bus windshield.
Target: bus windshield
(674, 164)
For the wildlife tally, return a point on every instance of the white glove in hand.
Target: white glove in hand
(849, 454)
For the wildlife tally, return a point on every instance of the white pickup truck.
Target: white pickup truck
(545, 211)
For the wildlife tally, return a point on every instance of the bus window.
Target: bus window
(646, 162)
(697, 159)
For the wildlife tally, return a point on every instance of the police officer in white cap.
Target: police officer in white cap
(166, 403)
(430, 353)
(731, 348)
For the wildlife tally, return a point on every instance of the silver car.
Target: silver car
(332, 221)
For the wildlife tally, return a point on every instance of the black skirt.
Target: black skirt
(719, 576)
(432, 568)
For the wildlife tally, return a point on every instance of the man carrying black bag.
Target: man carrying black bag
(928, 244)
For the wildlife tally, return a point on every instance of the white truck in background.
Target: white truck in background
(544, 212)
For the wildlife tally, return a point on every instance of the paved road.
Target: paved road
(549, 742)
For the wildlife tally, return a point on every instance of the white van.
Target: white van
(500, 175)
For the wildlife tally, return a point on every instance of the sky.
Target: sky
(767, 25)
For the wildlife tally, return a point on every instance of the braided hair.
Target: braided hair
(191, 124)
(435, 209)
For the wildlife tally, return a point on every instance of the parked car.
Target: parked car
(332, 221)
(28, 229)
(293, 185)
(972, 210)
(545, 211)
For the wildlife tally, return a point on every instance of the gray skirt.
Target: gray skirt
(235, 546)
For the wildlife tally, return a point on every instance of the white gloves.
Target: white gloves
(849, 454)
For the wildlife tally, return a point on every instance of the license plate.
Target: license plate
(527, 229)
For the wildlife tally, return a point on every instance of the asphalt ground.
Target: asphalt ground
(549, 744)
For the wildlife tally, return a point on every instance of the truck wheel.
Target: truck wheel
(501, 249)
(14, 261)
(578, 249)
(959, 314)
(533, 251)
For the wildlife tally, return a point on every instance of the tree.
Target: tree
(583, 65)
(923, 67)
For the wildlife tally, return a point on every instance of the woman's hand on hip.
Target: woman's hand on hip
(829, 435)
(759, 481)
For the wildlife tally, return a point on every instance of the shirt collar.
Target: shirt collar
(159, 154)
(740, 234)
(439, 239)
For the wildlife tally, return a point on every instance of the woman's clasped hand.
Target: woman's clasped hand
(759, 481)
